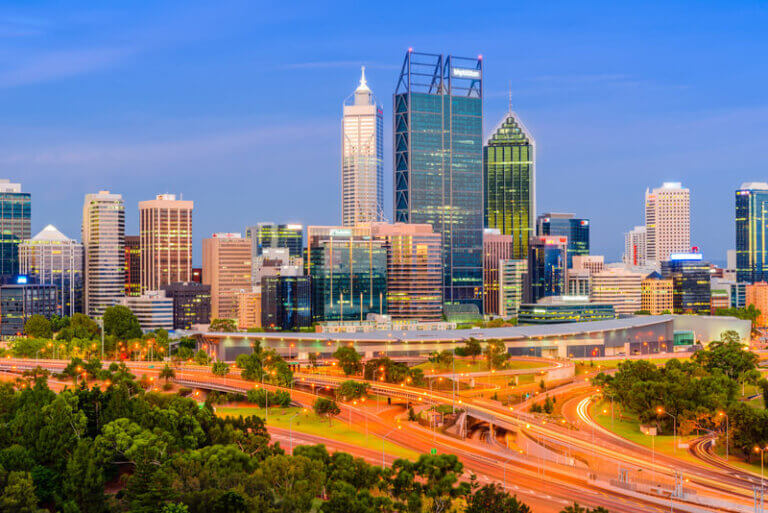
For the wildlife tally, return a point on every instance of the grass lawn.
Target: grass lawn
(313, 425)
(480, 365)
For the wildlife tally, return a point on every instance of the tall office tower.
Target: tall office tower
(546, 267)
(591, 263)
(414, 270)
(635, 246)
(55, 259)
(349, 273)
(496, 248)
(656, 294)
(757, 295)
(509, 178)
(512, 277)
(15, 225)
(438, 161)
(286, 302)
(751, 232)
(165, 230)
(104, 243)
(227, 269)
(618, 287)
(362, 157)
(690, 277)
(271, 235)
(132, 265)
(566, 225)
(667, 221)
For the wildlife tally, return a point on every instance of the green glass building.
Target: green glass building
(15, 225)
(509, 180)
(751, 232)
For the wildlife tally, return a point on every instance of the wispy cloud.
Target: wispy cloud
(336, 65)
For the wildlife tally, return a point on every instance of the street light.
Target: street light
(727, 438)
(761, 450)
(661, 411)
(383, 438)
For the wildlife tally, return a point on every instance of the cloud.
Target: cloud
(336, 64)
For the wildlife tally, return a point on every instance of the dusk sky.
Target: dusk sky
(237, 105)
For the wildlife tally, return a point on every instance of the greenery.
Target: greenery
(220, 369)
(38, 326)
(496, 354)
(121, 323)
(326, 408)
(264, 398)
(750, 313)
(351, 389)
(201, 357)
(349, 360)
(390, 371)
(264, 365)
(471, 348)
(223, 325)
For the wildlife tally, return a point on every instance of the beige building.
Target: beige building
(591, 263)
(249, 308)
(496, 247)
(657, 295)
(618, 287)
(165, 226)
(227, 269)
(103, 234)
(757, 294)
(667, 221)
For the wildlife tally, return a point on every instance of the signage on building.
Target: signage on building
(465, 73)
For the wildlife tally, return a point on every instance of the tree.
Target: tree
(496, 353)
(175, 507)
(84, 479)
(728, 355)
(352, 389)
(19, 494)
(38, 326)
(167, 373)
(471, 348)
(223, 325)
(121, 323)
(750, 313)
(326, 408)
(492, 498)
(312, 357)
(349, 360)
(220, 369)
(202, 358)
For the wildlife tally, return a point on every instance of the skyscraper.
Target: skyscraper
(546, 267)
(15, 225)
(512, 278)
(509, 176)
(667, 221)
(635, 247)
(690, 277)
(751, 232)
(165, 229)
(271, 235)
(103, 241)
(132, 265)
(566, 225)
(227, 269)
(55, 259)
(438, 161)
(496, 248)
(362, 157)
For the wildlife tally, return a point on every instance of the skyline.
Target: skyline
(103, 112)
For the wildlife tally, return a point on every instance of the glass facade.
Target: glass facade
(191, 304)
(21, 300)
(565, 225)
(286, 302)
(438, 163)
(132, 265)
(691, 291)
(271, 235)
(15, 226)
(546, 268)
(509, 166)
(751, 232)
(558, 313)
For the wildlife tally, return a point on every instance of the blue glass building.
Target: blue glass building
(286, 302)
(566, 225)
(438, 161)
(691, 277)
(546, 268)
(15, 225)
(751, 232)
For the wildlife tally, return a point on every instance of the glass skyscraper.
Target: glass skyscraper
(546, 268)
(691, 276)
(15, 225)
(271, 235)
(509, 177)
(751, 232)
(565, 225)
(438, 161)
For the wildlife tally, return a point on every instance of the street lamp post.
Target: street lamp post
(727, 438)
(661, 411)
(383, 438)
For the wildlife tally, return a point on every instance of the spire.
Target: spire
(510, 96)
(363, 87)
(363, 93)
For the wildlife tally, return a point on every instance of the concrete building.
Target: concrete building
(362, 157)
(53, 258)
(191, 304)
(132, 265)
(690, 276)
(103, 235)
(152, 309)
(566, 225)
(249, 308)
(636, 246)
(618, 287)
(719, 299)
(496, 248)
(165, 225)
(227, 269)
(22, 298)
(757, 295)
(512, 279)
(656, 295)
(667, 221)
(15, 225)
(590, 263)
(579, 282)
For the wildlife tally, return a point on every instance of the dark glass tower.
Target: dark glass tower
(15, 225)
(565, 225)
(438, 161)
(751, 232)
(691, 277)
(271, 235)
(546, 268)
(286, 302)
(509, 178)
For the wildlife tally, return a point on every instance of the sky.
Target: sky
(237, 105)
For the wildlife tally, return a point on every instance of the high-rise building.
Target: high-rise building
(667, 221)
(657, 294)
(53, 258)
(191, 303)
(509, 177)
(152, 309)
(286, 302)
(757, 295)
(104, 244)
(590, 263)
(362, 157)
(21, 298)
(438, 161)
(512, 277)
(165, 230)
(227, 269)
(271, 235)
(132, 265)
(566, 225)
(249, 308)
(496, 248)
(546, 267)
(691, 282)
(15, 225)
(635, 246)
(618, 287)
(751, 232)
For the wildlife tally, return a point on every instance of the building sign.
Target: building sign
(465, 73)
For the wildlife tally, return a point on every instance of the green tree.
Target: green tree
(471, 348)
(496, 354)
(326, 408)
(202, 358)
(121, 323)
(352, 389)
(492, 498)
(167, 373)
(349, 360)
(38, 326)
(220, 369)
(84, 479)
(223, 325)
(175, 507)
(19, 494)
(312, 358)
(729, 356)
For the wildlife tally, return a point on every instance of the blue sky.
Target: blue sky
(237, 104)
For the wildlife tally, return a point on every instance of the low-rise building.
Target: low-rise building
(191, 303)
(22, 298)
(656, 295)
(249, 308)
(562, 309)
(152, 309)
(618, 287)
(757, 295)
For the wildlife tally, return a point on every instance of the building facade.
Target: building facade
(165, 231)
(579, 282)
(227, 269)
(512, 278)
(635, 246)
(690, 277)
(15, 225)
(566, 225)
(286, 302)
(667, 221)
(22, 298)
(496, 248)
(132, 265)
(751, 231)
(53, 258)
(362, 157)
(191, 303)
(103, 234)
(438, 160)
(152, 309)
(271, 235)
(589, 263)
(657, 294)
(547, 273)
(249, 309)
(566, 309)
(757, 295)
(618, 287)
(509, 181)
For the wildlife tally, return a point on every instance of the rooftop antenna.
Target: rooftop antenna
(510, 96)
